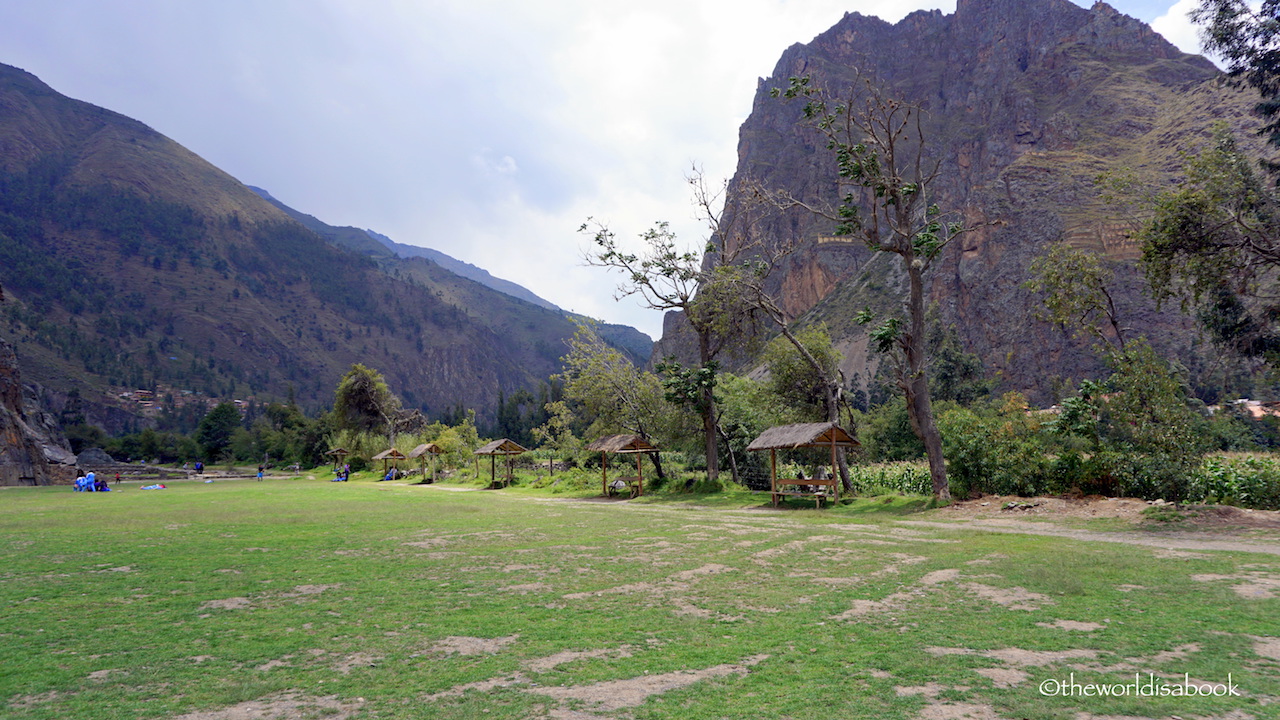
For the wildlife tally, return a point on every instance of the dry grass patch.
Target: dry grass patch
(454, 645)
(285, 706)
(613, 695)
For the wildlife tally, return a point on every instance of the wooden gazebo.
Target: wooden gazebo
(338, 454)
(506, 448)
(421, 452)
(803, 435)
(623, 445)
(390, 459)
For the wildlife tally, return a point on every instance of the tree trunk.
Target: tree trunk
(712, 441)
(708, 405)
(733, 459)
(915, 383)
(833, 416)
(656, 459)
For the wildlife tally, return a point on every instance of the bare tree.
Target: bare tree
(667, 277)
(884, 181)
(756, 258)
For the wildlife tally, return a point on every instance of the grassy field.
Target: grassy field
(309, 599)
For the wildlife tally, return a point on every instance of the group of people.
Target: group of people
(91, 483)
(342, 474)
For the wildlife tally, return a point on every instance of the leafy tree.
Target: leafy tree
(216, 430)
(795, 380)
(557, 431)
(1215, 241)
(1249, 40)
(614, 394)
(1077, 294)
(363, 402)
(666, 278)
(1148, 406)
(1142, 435)
(953, 373)
(995, 449)
(884, 184)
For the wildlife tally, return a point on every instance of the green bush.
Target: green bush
(996, 450)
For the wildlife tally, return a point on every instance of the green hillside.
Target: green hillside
(129, 263)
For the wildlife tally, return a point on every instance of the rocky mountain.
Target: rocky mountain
(129, 263)
(1027, 102)
(33, 450)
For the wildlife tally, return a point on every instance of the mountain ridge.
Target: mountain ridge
(131, 263)
(1027, 102)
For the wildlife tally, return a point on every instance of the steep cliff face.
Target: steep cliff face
(1027, 102)
(32, 449)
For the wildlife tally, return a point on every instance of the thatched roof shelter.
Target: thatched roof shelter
(502, 447)
(338, 454)
(802, 435)
(421, 452)
(390, 459)
(424, 449)
(506, 448)
(622, 444)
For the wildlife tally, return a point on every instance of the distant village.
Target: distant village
(150, 402)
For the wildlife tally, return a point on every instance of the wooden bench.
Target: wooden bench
(821, 489)
(632, 484)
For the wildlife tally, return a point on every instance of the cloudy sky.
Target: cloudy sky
(487, 129)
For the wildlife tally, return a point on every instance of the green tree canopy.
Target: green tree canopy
(216, 430)
(1215, 242)
(363, 402)
(795, 380)
(1249, 40)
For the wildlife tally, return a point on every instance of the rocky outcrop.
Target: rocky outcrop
(1027, 102)
(33, 450)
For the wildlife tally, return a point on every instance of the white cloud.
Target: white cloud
(1176, 27)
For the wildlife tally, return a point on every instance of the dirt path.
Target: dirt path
(1216, 528)
(1193, 541)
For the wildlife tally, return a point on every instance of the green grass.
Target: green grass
(203, 597)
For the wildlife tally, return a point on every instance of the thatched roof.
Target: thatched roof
(622, 444)
(392, 454)
(501, 447)
(803, 435)
(425, 448)
(338, 451)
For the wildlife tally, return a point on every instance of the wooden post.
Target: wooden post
(639, 477)
(773, 475)
(835, 471)
(604, 473)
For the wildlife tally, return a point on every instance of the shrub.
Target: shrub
(995, 450)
